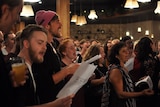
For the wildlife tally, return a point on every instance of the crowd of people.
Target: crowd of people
(52, 60)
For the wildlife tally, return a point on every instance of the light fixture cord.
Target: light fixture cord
(92, 5)
(74, 6)
(80, 8)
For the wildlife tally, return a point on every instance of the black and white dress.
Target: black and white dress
(110, 97)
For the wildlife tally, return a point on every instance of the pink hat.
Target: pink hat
(44, 17)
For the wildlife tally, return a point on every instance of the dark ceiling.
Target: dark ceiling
(114, 11)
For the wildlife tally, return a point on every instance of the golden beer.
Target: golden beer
(19, 70)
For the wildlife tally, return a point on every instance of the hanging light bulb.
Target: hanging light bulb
(144, 1)
(139, 29)
(147, 32)
(27, 11)
(127, 33)
(131, 4)
(92, 15)
(81, 20)
(157, 10)
(74, 18)
(152, 36)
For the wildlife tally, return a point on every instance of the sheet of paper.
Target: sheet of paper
(129, 64)
(80, 77)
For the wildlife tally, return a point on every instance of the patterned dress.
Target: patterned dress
(110, 97)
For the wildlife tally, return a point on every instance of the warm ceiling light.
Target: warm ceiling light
(157, 10)
(144, 1)
(74, 18)
(139, 29)
(147, 32)
(152, 36)
(127, 33)
(31, 1)
(131, 4)
(81, 20)
(27, 11)
(92, 15)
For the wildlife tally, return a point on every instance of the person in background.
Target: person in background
(158, 58)
(94, 42)
(119, 88)
(83, 48)
(48, 75)
(9, 41)
(145, 64)
(158, 48)
(107, 46)
(67, 51)
(16, 47)
(77, 46)
(129, 43)
(94, 87)
(115, 41)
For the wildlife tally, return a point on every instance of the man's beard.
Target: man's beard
(33, 56)
(56, 35)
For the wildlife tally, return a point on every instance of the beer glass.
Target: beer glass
(19, 69)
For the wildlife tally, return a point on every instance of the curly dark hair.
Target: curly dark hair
(144, 48)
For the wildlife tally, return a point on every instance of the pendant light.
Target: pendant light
(32, 1)
(131, 4)
(139, 29)
(27, 11)
(92, 15)
(144, 1)
(147, 32)
(74, 17)
(157, 10)
(81, 20)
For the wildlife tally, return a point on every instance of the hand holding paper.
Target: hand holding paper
(144, 84)
(79, 78)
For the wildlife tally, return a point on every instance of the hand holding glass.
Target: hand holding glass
(19, 69)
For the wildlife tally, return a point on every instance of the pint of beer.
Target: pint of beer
(19, 69)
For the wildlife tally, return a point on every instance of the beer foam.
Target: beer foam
(17, 64)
